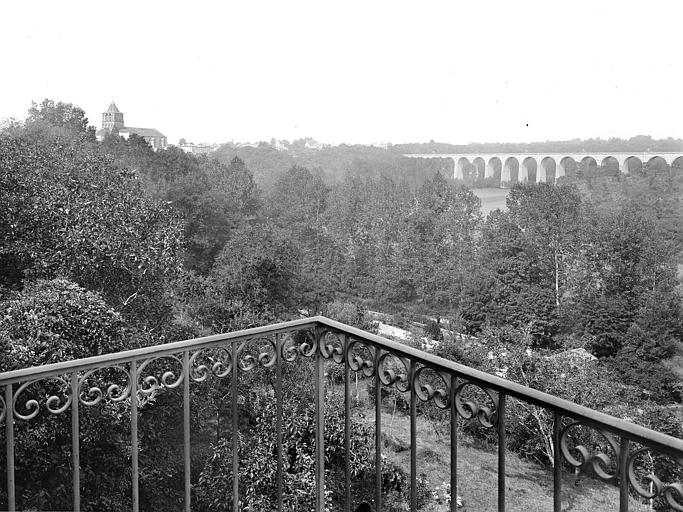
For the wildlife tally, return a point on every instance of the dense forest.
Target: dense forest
(332, 163)
(106, 246)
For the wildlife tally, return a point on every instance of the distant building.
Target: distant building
(280, 145)
(112, 122)
(196, 149)
(313, 144)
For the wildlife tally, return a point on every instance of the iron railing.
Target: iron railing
(322, 340)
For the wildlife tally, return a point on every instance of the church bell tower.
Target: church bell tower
(112, 118)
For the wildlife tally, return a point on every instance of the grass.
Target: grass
(529, 486)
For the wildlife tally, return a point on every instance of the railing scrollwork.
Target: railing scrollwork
(360, 357)
(52, 400)
(215, 361)
(671, 492)
(91, 394)
(426, 391)
(332, 346)
(266, 354)
(395, 374)
(468, 409)
(291, 347)
(169, 379)
(597, 461)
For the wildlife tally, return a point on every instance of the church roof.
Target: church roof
(142, 132)
(112, 108)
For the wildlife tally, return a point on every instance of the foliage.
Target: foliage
(68, 212)
(296, 207)
(350, 314)
(207, 305)
(258, 465)
(336, 163)
(215, 200)
(261, 265)
(58, 119)
(433, 331)
(656, 381)
(53, 321)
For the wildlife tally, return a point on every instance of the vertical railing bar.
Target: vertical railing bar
(186, 429)
(501, 452)
(378, 433)
(347, 428)
(557, 462)
(454, 445)
(623, 474)
(9, 441)
(278, 416)
(134, 434)
(319, 424)
(413, 438)
(235, 426)
(75, 444)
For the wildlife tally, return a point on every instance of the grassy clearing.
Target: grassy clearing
(491, 199)
(529, 485)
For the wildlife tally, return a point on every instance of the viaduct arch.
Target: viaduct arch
(549, 167)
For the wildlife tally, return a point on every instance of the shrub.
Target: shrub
(433, 331)
(53, 321)
(257, 449)
(48, 322)
(349, 313)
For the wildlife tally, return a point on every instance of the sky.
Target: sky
(353, 71)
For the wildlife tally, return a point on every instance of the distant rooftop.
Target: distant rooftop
(142, 132)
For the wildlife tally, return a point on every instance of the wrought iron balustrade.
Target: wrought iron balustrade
(136, 375)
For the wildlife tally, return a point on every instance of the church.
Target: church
(112, 122)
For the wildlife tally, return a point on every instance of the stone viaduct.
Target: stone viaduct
(548, 167)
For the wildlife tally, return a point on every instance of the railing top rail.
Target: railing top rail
(597, 419)
(48, 370)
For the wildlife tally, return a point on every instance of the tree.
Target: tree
(59, 118)
(297, 206)
(549, 218)
(437, 239)
(517, 283)
(215, 200)
(625, 263)
(68, 211)
(260, 267)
